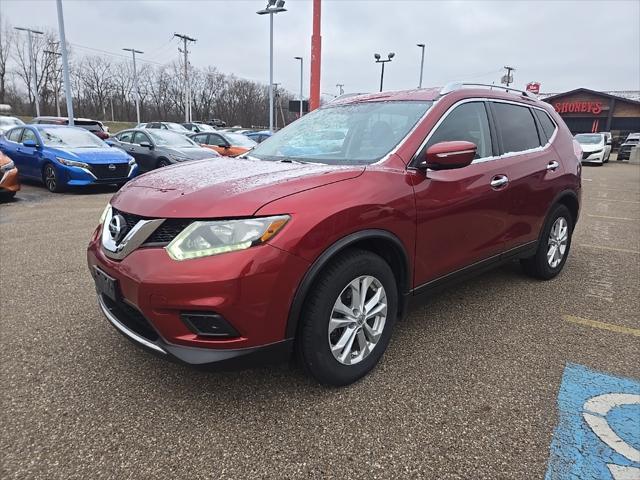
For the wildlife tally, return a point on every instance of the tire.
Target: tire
(540, 265)
(163, 162)
(314, 342)
(51, 180)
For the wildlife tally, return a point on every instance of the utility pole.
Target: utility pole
(56, 86)
(316, 56)
(507, 79)
(135, 81)
(34, 74)
(301, 74)
(276, 95)
(65, 64)
(340, 88)
(187, 89)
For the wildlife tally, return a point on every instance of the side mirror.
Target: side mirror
(147, 145)
(449, 155)
(30, 144)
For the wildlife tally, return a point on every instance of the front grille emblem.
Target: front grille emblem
(117, 228)
(112, 167)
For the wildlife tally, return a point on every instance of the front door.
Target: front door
(461, 213)
(143, 155)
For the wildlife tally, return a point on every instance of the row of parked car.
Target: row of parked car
(596, 147)
(50, 151)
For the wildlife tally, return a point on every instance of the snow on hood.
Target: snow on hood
(223, 187)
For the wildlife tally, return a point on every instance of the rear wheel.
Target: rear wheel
(553, 247)
(51, 180)
(347, 318)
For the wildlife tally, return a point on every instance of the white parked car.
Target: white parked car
(7, 123)
(595, 147)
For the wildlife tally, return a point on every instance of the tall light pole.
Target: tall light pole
(135, 80)
(340, 88)
(271, 9)
(187, 89)
(301, 74)
(378, 60)
(421, 45)
(34, 74)
(65, 64)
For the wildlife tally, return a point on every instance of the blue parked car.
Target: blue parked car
(61, 156)
(259, 137)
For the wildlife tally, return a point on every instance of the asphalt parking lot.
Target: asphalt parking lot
(467, 389)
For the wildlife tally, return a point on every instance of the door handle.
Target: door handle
(499, 181)
(553, 165)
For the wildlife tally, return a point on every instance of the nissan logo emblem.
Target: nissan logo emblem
(112, 166)
(117, 228)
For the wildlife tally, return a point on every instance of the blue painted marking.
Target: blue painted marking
(577, 452)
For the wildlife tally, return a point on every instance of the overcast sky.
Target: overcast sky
(562, 44)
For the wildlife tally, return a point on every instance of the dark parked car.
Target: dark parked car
(158, 148)
(320, 253)
(633, 140)
(216, 122)
(94, 126)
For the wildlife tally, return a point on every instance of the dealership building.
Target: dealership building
(586, 110)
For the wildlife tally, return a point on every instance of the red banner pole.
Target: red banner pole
(316, 42)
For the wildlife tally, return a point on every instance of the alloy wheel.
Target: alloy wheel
(50, 178)
(557, 243)
(357, 320)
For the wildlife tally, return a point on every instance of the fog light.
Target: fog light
(208, 324)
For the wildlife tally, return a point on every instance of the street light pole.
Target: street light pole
(340, 88)
(56, 85)
(135, 79)
(421, 45)
(378, 60)
(34, 74)
(65, 64)
(301, 74)
(271, 9)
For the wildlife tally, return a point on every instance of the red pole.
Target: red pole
(316, 43)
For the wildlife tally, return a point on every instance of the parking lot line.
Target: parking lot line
(614, 218)
(613, 200)
(602, 325)
(623, 250)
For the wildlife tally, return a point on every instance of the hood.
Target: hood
(192, 153)
(591, 147)
(224, 187)
(92, 155)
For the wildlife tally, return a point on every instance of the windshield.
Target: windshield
(360, 133)
(70, 137)
(587, 139)
(176, 126)
(239, 140)
(170, 139)
(10, 121)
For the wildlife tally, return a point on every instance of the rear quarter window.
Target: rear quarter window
(516, 126)
(548, 127)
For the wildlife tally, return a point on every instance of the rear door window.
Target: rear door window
(516, 126)
(548, 127)
(125, 137)
(202, 138)
(467, 122)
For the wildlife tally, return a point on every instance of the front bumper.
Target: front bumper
(200, 357)
(78, 177)
(596, 157)
(251, 289)
(9, 181)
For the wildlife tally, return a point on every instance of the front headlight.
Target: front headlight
(132, 160)
(203, 239)
(105, 212)
(72, 163)
(7, 166)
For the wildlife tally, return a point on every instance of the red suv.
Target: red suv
(316, 243)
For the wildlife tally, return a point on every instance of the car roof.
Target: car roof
(434, 93)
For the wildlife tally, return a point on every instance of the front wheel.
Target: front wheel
(347, 318)
(51, 180)
(553, 247)
(163, 162)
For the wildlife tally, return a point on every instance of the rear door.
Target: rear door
(461, 213)
(533, 168)
(10, 148)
